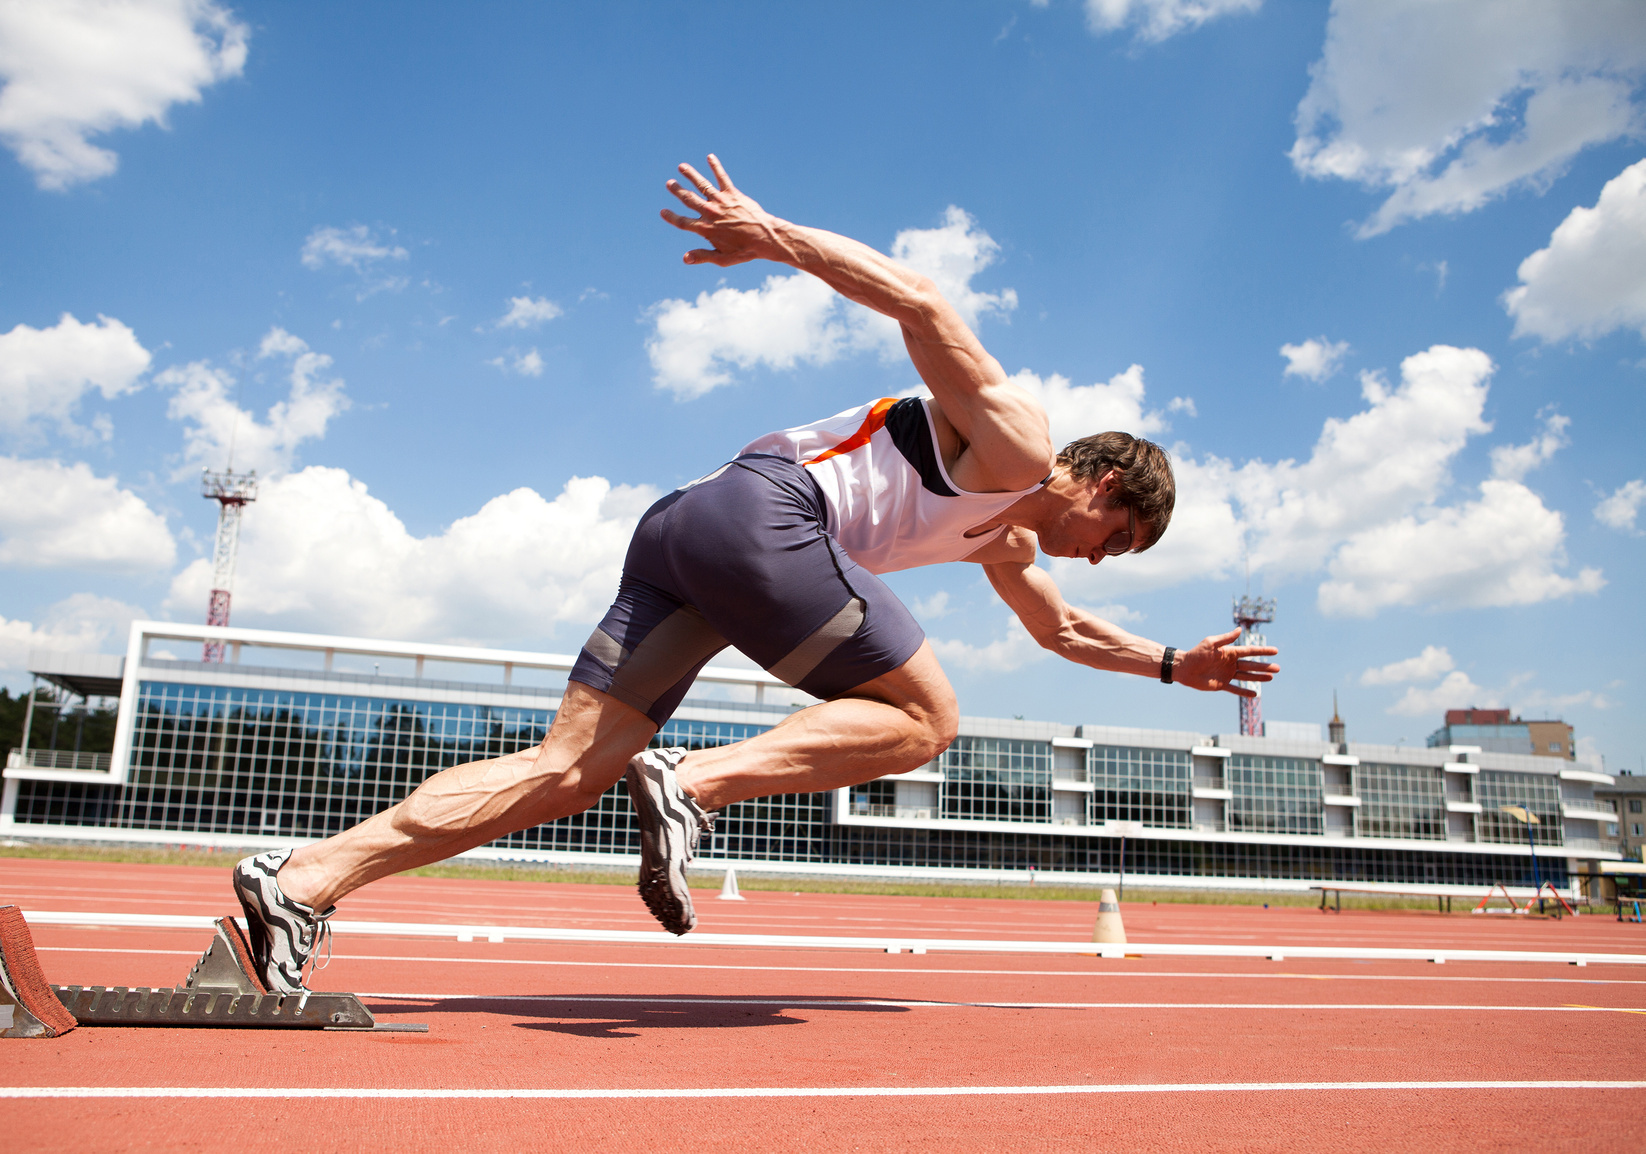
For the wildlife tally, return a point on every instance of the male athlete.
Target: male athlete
(776, 553)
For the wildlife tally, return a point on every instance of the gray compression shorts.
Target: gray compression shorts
(743, 558)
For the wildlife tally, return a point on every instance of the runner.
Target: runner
(776, 553)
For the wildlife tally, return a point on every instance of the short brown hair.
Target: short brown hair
(1145, 474)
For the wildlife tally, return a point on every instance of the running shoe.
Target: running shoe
(285, 934)
(670, 824)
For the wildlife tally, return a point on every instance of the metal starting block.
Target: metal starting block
(222, 989)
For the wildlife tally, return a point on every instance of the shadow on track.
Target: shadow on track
(623, 1016)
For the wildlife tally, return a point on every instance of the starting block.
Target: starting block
(222, 989)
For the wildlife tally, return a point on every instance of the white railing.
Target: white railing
(1208, 783)
(1208, 827)
(914, 812)
(59, 759)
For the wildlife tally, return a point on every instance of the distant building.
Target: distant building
(294, 737)
(1626, 833)
(1495, 731)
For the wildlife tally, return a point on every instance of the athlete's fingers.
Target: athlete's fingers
(689, 223)
(1219, 640)
(726, 184)
(687, 197)
(697, 178)
(715, 256)
(1239, 692)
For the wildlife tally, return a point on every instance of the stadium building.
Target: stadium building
(297, 736)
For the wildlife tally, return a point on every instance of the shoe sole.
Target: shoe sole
(669, 900)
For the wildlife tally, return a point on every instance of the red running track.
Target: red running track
(991, 1031)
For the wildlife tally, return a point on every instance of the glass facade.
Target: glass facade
(229, 760)
(1146, 785)
(997, 779)
(1399, 801)
(1274, 794)
(1537, 792)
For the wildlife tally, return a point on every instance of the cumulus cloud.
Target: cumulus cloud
(1316, 358)
(56, 516)
(1013, 651)
(45, 373)
(1157, 20)
(82, 623)
(1447, 106)
(1367, 508)
(1513, 462)
(933, 607)
(797, 319)
(1426, 666)
(1591, 279)
(1619, 508)
(319, 552)
(1080, 410)
(1455, 691)
(526, 364)
(76, 70)
(528, 313)
(218, 431)
(356, 247)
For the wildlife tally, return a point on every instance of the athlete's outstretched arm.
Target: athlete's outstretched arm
(1082, 637)
(1005, 429)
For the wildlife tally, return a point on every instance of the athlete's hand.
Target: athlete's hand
(1217, 662)
(738, 228)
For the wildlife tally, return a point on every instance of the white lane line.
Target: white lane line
(894, 969)
(775, 1091)
(889, 944)
(850, 1003)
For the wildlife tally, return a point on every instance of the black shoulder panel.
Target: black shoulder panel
(911, 430)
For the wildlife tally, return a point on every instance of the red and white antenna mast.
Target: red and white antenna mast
(1250, 612)
(233, 492)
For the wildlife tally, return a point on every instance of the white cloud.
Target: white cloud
(56, 516)
(1366, 508)
(1157, 20)
(1115, 613)
(1426, 666)
(1619, 509)
(528, 313)
(797, 319)
(1013, 651)
(1513, 462)
(933, 607)
(319, 552)
(1316, 358)
(356, 247)
(1450, 105)
(82, 623)
(1502, 549)
(1592, 277)
(45, 373)
(76, 70)
(219, 430)
(1182, 405)
(1456, 691)
(526, 364)
(1076, 411)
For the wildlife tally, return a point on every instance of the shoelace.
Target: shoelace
(320, 932)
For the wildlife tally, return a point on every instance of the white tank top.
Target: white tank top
(891, 503)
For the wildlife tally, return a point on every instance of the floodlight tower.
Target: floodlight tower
(1250, 612)
(233, 492)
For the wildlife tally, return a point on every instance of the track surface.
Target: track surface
(911, 1051)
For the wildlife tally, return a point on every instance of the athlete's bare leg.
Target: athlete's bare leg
(587, 748)
(893, 724)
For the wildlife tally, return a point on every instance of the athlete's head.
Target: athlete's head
(1143, 472)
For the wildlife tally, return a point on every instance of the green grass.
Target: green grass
(528, 872)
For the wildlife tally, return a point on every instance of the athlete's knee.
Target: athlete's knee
(939, 723)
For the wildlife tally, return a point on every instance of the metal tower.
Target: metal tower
(233, 492)
(1248, 613)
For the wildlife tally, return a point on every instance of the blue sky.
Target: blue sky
(407, 259)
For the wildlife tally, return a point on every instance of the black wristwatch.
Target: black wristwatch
(1166, 664)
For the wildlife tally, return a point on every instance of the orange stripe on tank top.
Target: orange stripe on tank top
(872, 424)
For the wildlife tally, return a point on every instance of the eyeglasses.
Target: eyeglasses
(1121, 541)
